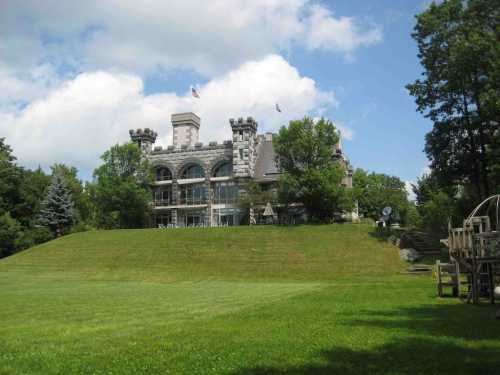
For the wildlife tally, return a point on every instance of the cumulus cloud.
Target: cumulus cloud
(210, 37)
(80, 118)
(343, 34)
(409, 190)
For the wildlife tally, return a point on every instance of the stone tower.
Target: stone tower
(244, 146)
(144, 138)
(186, 128)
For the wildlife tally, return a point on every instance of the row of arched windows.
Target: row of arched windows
(194, 171)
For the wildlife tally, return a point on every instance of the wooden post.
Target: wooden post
(440, 286)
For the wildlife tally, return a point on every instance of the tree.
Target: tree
(57, 207)
(254, 196)
(10, 178)
(80, 196)
(437, 212)
(20, 196)
(459, 92)
(32, 188)
(122, 191)
(438, 205)
(374, 191)
(312, 173)
(10, 231)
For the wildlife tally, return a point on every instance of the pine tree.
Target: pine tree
(57, 207)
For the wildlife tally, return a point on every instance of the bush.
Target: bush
(34, 236)
(81, 227)
(10, 230)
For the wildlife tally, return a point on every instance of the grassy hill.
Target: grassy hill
(240, 253)
(248, 300)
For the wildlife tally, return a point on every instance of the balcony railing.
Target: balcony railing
(162, 203)
(191, 201)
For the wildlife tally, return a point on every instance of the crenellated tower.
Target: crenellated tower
(186, 127)
(144, 138)
(244, 146)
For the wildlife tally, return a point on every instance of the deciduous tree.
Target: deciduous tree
(122, 191)
(459, 91)
(312, 173)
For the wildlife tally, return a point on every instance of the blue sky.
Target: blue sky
(74, 77)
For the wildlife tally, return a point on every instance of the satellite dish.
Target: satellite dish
(387, 211)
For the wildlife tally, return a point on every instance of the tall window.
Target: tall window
(163, 197)
(224, 170)
(192, 194)
(163, 174)
(193, 171)
(163, 219)
(225, 192)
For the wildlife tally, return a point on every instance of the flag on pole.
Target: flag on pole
(278, 108)
(194, 93)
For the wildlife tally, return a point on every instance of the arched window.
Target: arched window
(163, 174)
(193, 171)
(223, 170)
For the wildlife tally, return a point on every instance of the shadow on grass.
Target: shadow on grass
(439, 340)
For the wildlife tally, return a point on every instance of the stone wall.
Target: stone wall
(207, 156)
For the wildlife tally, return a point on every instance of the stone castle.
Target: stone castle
(200, 185)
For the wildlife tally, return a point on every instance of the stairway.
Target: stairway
(424, 243)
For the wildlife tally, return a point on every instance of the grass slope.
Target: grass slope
(247, 300)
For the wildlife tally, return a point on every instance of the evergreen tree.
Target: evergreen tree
(57, 207)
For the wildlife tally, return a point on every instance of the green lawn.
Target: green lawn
(248, 300)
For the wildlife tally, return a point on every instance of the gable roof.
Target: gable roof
(265, 165)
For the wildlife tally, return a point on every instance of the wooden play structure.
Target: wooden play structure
(474, 268)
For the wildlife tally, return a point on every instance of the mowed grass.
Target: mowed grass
(249, 300)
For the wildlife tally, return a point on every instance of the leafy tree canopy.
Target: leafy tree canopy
(312, 172)
(374, 191)
(460, 91)
(122, 189)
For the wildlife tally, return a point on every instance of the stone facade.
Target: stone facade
(199, 185)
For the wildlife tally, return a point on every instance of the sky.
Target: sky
(75, 76)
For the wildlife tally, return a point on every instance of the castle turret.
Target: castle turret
(244, 146)
(145, 138)
(186, 128)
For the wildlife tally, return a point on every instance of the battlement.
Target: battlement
(242, 124)
(213, 145)
(141, 135)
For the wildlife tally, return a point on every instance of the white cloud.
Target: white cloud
(343, 34)
(79, 119)
(345, 131)
(409, 190)
(23, 88)
(425, 171)
(210, 37)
